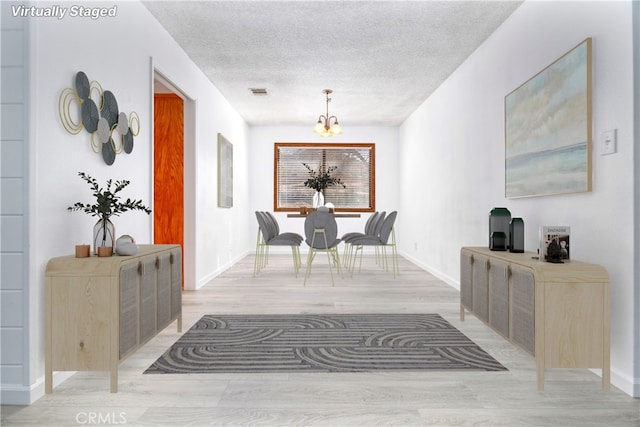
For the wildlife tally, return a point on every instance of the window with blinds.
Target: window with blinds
(355, 167)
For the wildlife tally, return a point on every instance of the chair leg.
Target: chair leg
(384, 258)
(336, 257)
(257, 264)
(327, 250)
(354, 257)
(307, 273)
(296, 261)
(394, 252)
(313, 251)
(346, 253)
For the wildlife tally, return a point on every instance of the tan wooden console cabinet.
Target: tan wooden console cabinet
(101, 310)
(558, 313)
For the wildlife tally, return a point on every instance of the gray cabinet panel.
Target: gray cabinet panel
(466, 273)
(523, 309)
(481, 287)
(499, 296)
(148, 301)
(128, 308)
(164, 290)
(176, 282)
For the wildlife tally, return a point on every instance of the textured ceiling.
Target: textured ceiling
(381, 58)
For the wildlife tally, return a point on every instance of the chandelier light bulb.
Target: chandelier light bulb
(324, 127)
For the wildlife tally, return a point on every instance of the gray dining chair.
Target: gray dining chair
(369, 230)
(321, 232)
(380, 241)
(269, 235)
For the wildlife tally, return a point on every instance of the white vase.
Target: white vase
(103, 234)
(318, 199)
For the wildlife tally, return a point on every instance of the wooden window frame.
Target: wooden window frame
(316, 146)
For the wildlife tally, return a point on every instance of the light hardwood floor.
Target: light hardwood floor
(570, 398)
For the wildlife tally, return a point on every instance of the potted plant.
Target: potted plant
(320, 180)
(107, 203)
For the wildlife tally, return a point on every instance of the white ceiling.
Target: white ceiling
(381, 58)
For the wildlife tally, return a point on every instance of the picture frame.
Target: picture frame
(548, 129)
(225, 172)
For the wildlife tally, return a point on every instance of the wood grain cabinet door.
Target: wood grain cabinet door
(574, 325)
(80, 323)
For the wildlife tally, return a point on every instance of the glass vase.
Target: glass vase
(318, 199)
(103, 234)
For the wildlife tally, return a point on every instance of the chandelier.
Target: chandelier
(324, 126)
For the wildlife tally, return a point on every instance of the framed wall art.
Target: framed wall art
(548, 129)
(225, 172)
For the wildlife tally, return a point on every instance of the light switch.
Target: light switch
(608, 142)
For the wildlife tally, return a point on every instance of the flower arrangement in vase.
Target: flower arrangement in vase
(107, 204)
(320, 180)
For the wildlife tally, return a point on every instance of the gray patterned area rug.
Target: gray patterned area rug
(322, 343)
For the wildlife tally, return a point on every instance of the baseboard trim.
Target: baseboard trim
(18, 394)
(206, 279)
(625, 383)
(440, 275)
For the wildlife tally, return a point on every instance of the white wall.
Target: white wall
(261, 142)
(118, 52)
(453, 146)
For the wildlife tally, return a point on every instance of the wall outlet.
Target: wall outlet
(608, 142)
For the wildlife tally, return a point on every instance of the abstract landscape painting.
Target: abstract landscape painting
(548, 129)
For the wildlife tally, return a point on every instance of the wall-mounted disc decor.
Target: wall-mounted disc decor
(111, 130)
(90, 115)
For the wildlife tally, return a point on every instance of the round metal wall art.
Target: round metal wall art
(128, 142)
(108, 153)
(82, 85)
(89, 107)
(123, 124)
(109, 107)
(104, 133)
(90, 115)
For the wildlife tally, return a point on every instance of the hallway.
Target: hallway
(571, 397)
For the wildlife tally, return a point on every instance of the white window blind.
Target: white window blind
(355, 164)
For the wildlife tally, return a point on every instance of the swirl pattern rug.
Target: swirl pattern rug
(322, 343)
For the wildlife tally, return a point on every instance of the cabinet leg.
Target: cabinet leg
(180, 323)
(540, 376)
(48, 381)
(114, 380)
(606, 378)
(461, 312)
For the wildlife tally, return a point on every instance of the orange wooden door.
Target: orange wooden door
(168, 164)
